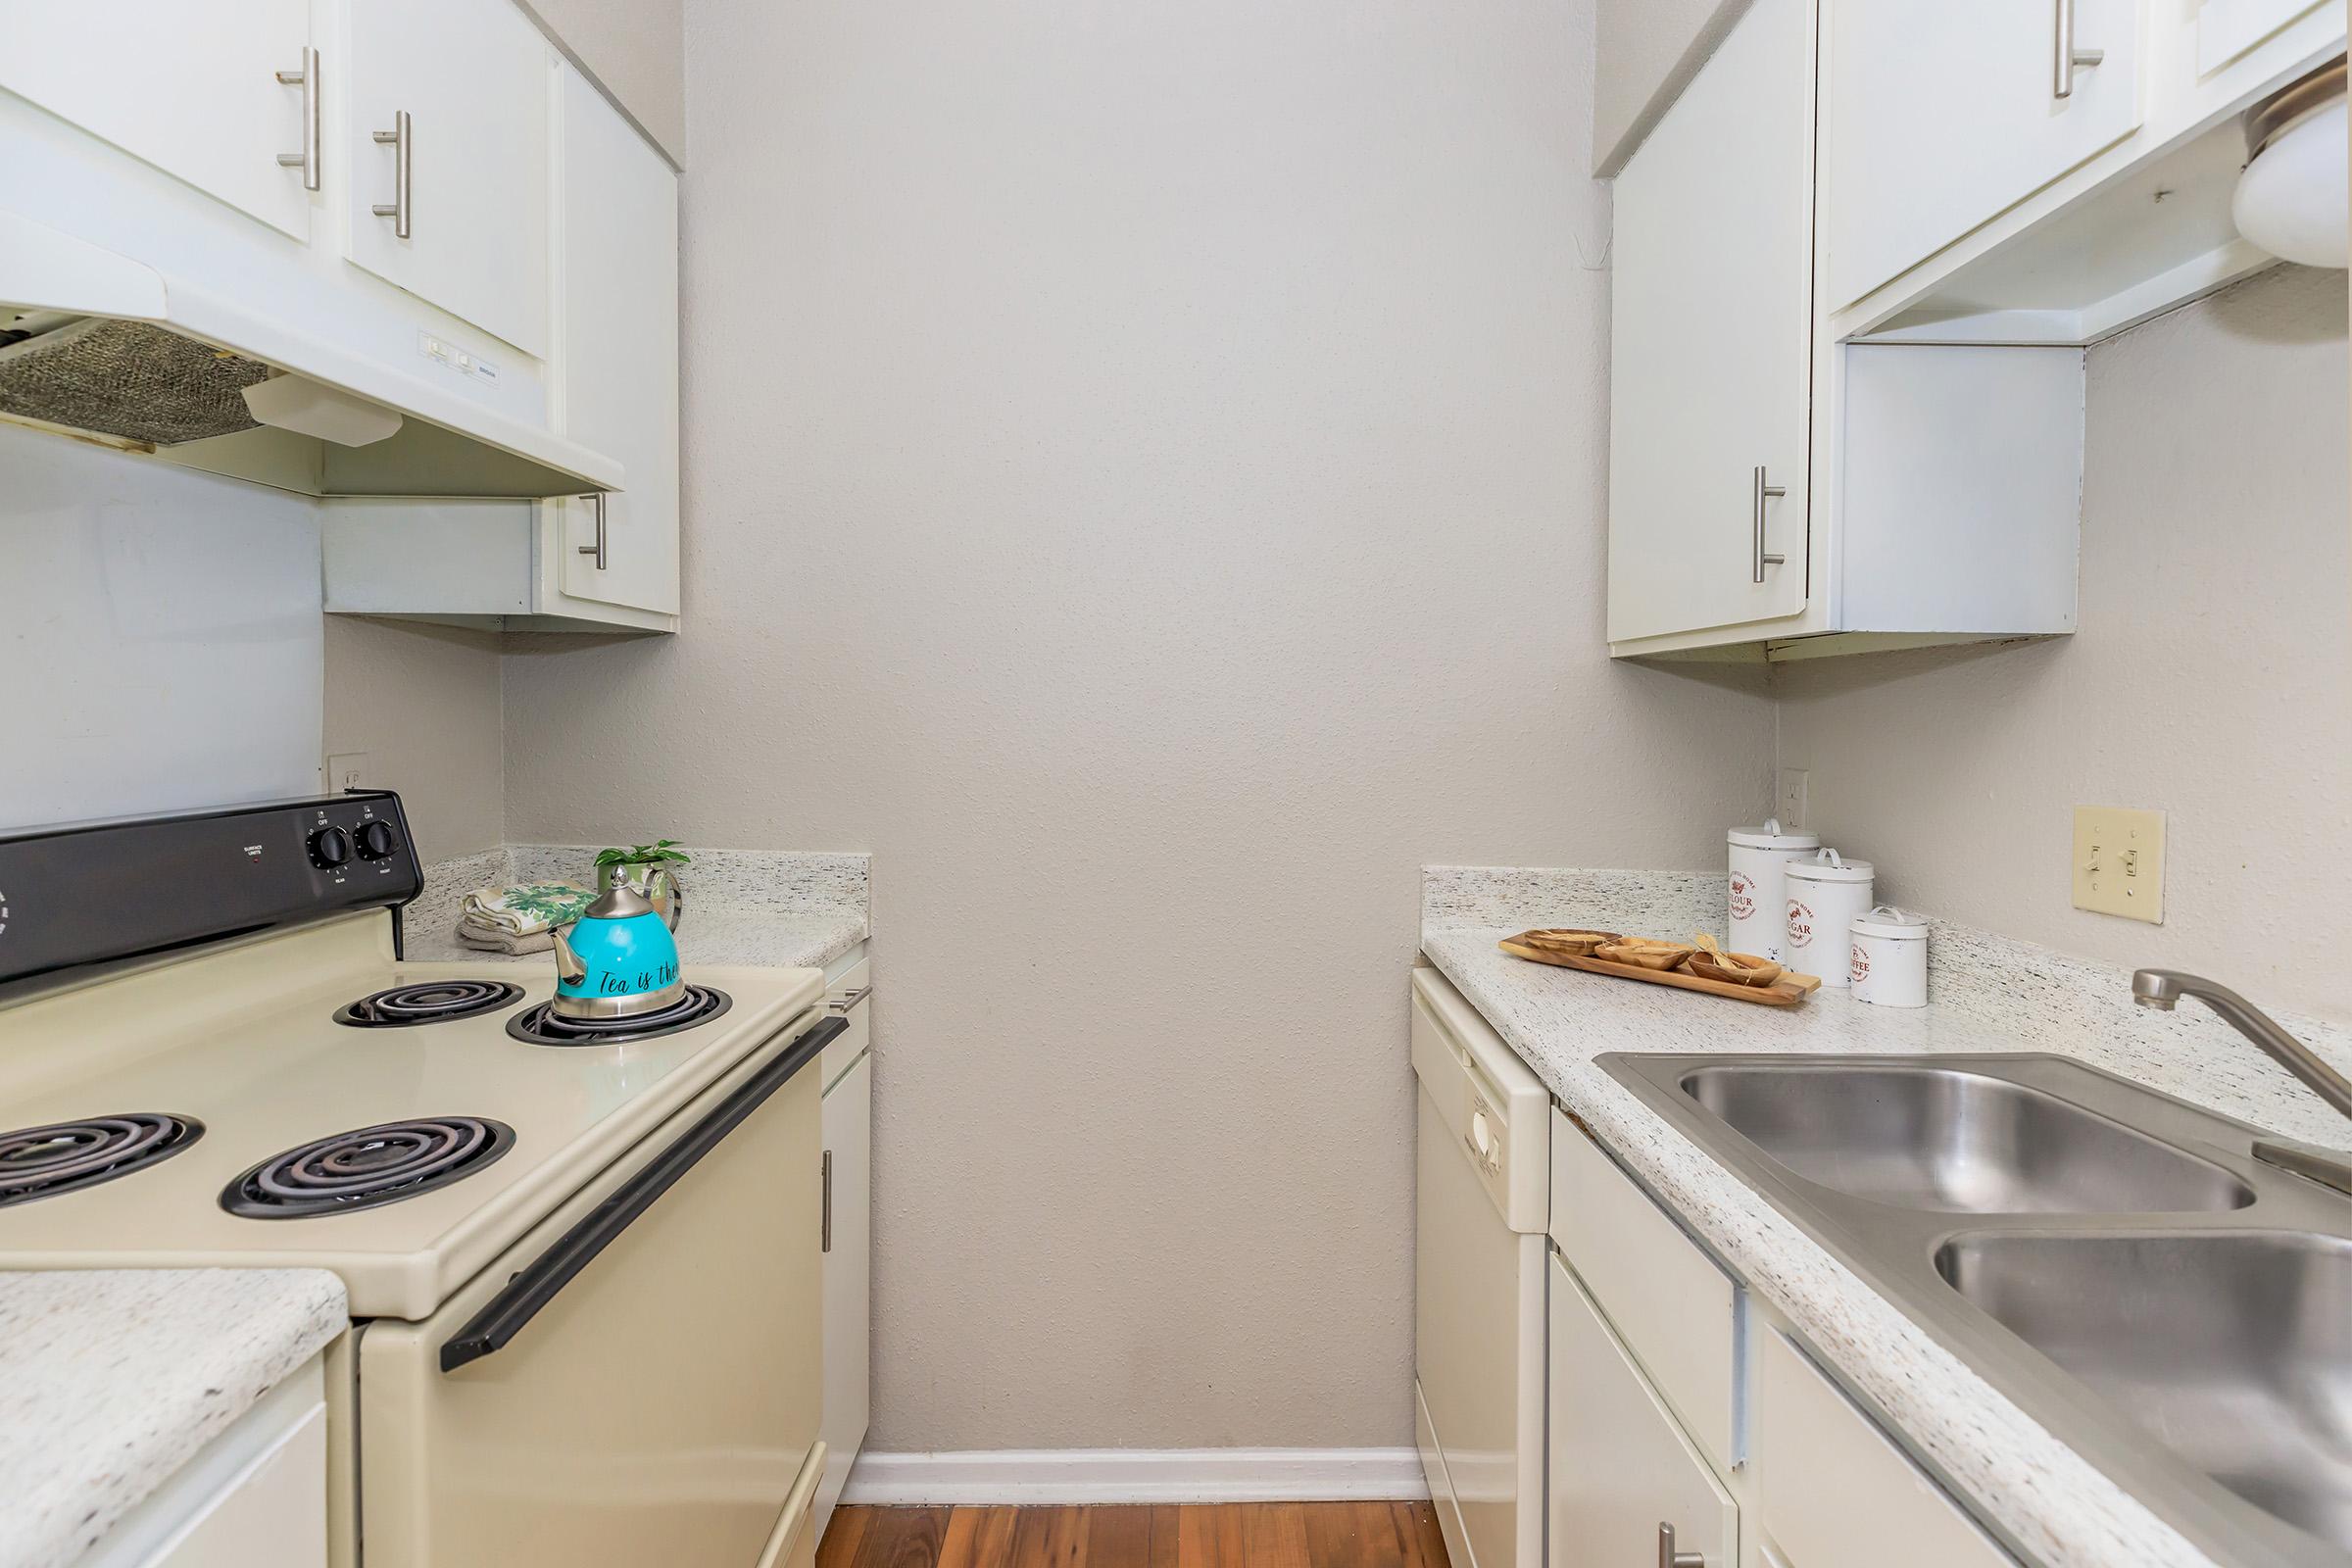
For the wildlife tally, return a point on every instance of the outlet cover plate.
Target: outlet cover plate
(346, 770)
(1788, 801)
(2119, 863)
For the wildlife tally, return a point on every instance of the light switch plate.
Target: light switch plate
(2119, 863)
(346, 770)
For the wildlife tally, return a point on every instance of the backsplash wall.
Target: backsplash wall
(162, 648)
(160, 637)
(2210, 678)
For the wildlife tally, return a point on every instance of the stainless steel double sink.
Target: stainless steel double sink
(2113, 1259)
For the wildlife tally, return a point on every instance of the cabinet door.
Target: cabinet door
(1941, 116)
(849, 1120)
(1619, 1465)
(473, 78)
(616, 355)
(189, 85)
(2228, 28)
(1712, 327)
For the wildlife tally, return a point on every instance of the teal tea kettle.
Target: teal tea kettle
(617, 960)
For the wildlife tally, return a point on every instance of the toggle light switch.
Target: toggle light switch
(2119, 863)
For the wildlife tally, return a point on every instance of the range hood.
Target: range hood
(98, 345)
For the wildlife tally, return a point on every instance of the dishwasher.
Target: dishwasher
(1482, 1193)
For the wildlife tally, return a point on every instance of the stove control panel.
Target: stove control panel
(100, 892)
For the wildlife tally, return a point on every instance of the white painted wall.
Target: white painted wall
(1144, 466)
(1648, 52)
(426, 705)
(2209, 679)
(160, 637)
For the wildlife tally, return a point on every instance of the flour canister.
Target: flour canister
(1758, 917)
(1890, 965)
(1824, 894)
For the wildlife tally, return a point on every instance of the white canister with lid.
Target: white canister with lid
(1758, 918)
(1824, 894)
(1890, 965)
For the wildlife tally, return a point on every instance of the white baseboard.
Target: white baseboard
(1135, 1475)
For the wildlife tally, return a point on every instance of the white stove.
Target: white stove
(584, 1277)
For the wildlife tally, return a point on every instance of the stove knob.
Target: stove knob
(377, 840)
(330, 847)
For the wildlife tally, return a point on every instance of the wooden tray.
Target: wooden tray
(1787, 991)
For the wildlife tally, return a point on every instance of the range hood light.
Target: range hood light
(301, 405)
(2291, 199)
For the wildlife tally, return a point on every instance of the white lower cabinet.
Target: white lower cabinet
(1676, 1400)
(255, 1496)
(849, 1233)
(1834, 1490)
(1622, 1471)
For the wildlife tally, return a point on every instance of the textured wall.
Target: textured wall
(1142, 475)
(1648, 52)
(424, 704)
(2210, 677)
(636, 48)
(159, 635)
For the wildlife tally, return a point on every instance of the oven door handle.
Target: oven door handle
(504, 1317)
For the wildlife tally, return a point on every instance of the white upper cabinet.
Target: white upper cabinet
(616, 355)
(2228, 28)
(1711, 342)
(190, 86)
(1939, 116)
(446, 124)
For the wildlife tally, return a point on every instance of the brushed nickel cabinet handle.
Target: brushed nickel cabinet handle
(402, 139)
(1763, 492)
(1668, 1558)
(597, 549)
(825, 1228)
(2065, 59)
(307, 78)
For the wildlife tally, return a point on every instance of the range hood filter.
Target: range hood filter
(127, 379)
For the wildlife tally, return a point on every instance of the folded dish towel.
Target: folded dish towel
(514, 947)
(519, 919)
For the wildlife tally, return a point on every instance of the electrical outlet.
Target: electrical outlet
(2119, 863)
(1788, 801)
(346, 770)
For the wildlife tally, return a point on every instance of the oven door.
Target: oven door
(638, 1380)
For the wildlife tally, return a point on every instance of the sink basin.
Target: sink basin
(2116, 1261)
(2232, 1349)
(1950, 1140)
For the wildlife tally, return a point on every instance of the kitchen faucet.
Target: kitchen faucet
(2333, 1167)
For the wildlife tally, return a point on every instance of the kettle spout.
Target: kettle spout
(568, 967)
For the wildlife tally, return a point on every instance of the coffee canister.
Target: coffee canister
(1890, 965)
(1824, 894)
(1758, 917)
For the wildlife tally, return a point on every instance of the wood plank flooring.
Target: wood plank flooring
(1229, 1535)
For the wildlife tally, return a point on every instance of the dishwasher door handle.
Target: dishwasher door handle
(498, 1322)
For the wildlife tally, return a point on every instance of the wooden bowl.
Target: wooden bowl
(1646, 953)
(1748, 969)
(1573, 944)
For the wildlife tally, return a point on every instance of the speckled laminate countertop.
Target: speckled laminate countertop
(1986, 995)
(111, 1380)
(764, 908)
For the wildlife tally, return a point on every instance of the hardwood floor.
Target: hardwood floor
(1230, 1534)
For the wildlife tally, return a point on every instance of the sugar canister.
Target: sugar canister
(1824, 895)
(1890, 965)
(1757, 918)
